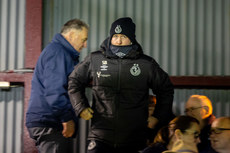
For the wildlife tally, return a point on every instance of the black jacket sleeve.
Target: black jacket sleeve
(79, 79)
(164, 91)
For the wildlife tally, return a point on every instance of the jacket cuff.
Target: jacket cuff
(66, 116)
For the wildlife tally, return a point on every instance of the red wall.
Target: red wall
(33, 50)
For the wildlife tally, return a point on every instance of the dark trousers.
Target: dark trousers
(95, 146)
(50, 140)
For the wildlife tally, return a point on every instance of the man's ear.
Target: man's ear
(71, 35)
(178, 134)
(206, 111)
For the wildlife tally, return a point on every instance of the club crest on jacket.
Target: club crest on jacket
(135, 70)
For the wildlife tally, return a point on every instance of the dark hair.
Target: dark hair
(74, 24)
(180, 122)
(162, 136)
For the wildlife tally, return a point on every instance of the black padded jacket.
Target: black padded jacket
(120, 89)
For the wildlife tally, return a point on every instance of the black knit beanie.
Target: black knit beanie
(124, 26)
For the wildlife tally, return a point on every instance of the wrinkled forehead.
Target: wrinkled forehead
(221, 123)
(193, 102)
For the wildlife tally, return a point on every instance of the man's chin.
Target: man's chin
(214, 144)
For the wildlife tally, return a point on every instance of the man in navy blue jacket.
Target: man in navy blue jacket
(50, 118)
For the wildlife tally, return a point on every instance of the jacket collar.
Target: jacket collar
(69, 48)
(209, 120)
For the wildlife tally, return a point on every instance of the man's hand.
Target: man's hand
(68, 128)
(87, 113)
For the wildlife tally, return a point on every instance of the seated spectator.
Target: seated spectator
(160, 142)
(220, 135)
(200, 107)
(153, 127)
(181, 133)
(151, 119)
(151, 132)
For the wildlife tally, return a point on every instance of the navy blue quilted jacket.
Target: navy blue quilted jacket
(49, 104)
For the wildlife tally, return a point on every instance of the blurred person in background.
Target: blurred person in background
(220, 135)
(200, 107)
(181, 134)
(151, 132)
(151, 118)
(153, 128)
(50, 118)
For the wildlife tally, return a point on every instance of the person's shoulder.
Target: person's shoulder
(149, 59)
(98, 52)
(168, 151)
(92, 56)
(156, 148)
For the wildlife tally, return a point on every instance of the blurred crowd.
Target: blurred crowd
(196, 131)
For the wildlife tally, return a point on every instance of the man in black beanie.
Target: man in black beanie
(120, 76)
(124, 26)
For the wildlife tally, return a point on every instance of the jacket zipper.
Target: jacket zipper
(119, 75)
(117, 104)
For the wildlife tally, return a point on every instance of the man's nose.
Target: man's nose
(85, 44)
(211, 135)
(198, 140)
(119, 40)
